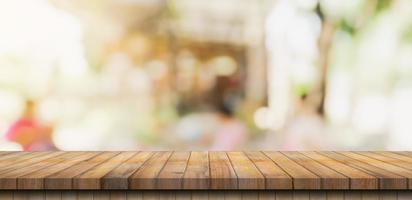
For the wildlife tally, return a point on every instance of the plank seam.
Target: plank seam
(293, 179)
(131, 174)
(231, 164)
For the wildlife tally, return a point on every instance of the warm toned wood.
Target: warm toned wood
(248, 176)
(330, 178)
(380, 164)
(275, 177)
(6, 195)
(10, 158)
(170, 177)
(222, 174)
(340, 171)
(358, 179)
(302, 178)
(91, 179)
(118, 177)
(8, 178)
(35, 180)
(63, 179)
(392, 158)
(387, 180)
(145, 177)
(200, 195)
(25, 159)
(205, 195)
(197, 171)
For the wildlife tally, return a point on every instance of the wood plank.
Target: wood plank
(380, 164)
(197, 172)
(85, 195)
(302, 178)
(102, 194)
(404, 195)
(183, 195)
(284, 195)
(118, 177)
(392, 158)
(300, 195)
(250, 195)
(335, 195)
(404, 153)
(63, 179)
(25, 159)
(69, 195)
(116, 195)
(222, 174)
(318, 195)
(330, 178)
(267, 195)
(151, 195)
(35, 180)
(353, 195)
(370, 195)
(53, 195)
(145, 177)
(91, 179)
(233, 195)
(170, 177)
(134, 195)
(8, 179)
(216, 195)
(387, 180)
(12, 156)
(275, 177)
(3, 153)
(36, 195)
(248, 176)
(6, 195)
(358, 178)
(200, 195)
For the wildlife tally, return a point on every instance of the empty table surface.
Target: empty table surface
(184, 170)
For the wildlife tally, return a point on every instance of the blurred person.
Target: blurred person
(231, 134)
(29, 133)
(305, 129)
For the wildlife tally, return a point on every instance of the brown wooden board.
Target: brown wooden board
(249, 170)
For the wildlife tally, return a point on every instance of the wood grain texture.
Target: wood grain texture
(91, 179)
(206, 195)
(118, 177)
(250, 170)
(171, 176)
(248, 176)
(64, 179)
(197, 171)
(302, 178)
(358, 179)
(387, 180)
(275, 177)
(330, 178)
(384, 169)
(35, 180)
(145, 177)
(222, 174)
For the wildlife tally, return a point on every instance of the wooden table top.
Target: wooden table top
(206, 170)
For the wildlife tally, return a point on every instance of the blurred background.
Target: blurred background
(205, 75)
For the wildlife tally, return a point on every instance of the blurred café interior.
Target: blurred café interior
(205, 75)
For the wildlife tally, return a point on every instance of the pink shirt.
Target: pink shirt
(232, 135)
(38, 142)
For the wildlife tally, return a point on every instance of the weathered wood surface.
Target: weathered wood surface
(252, 170)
